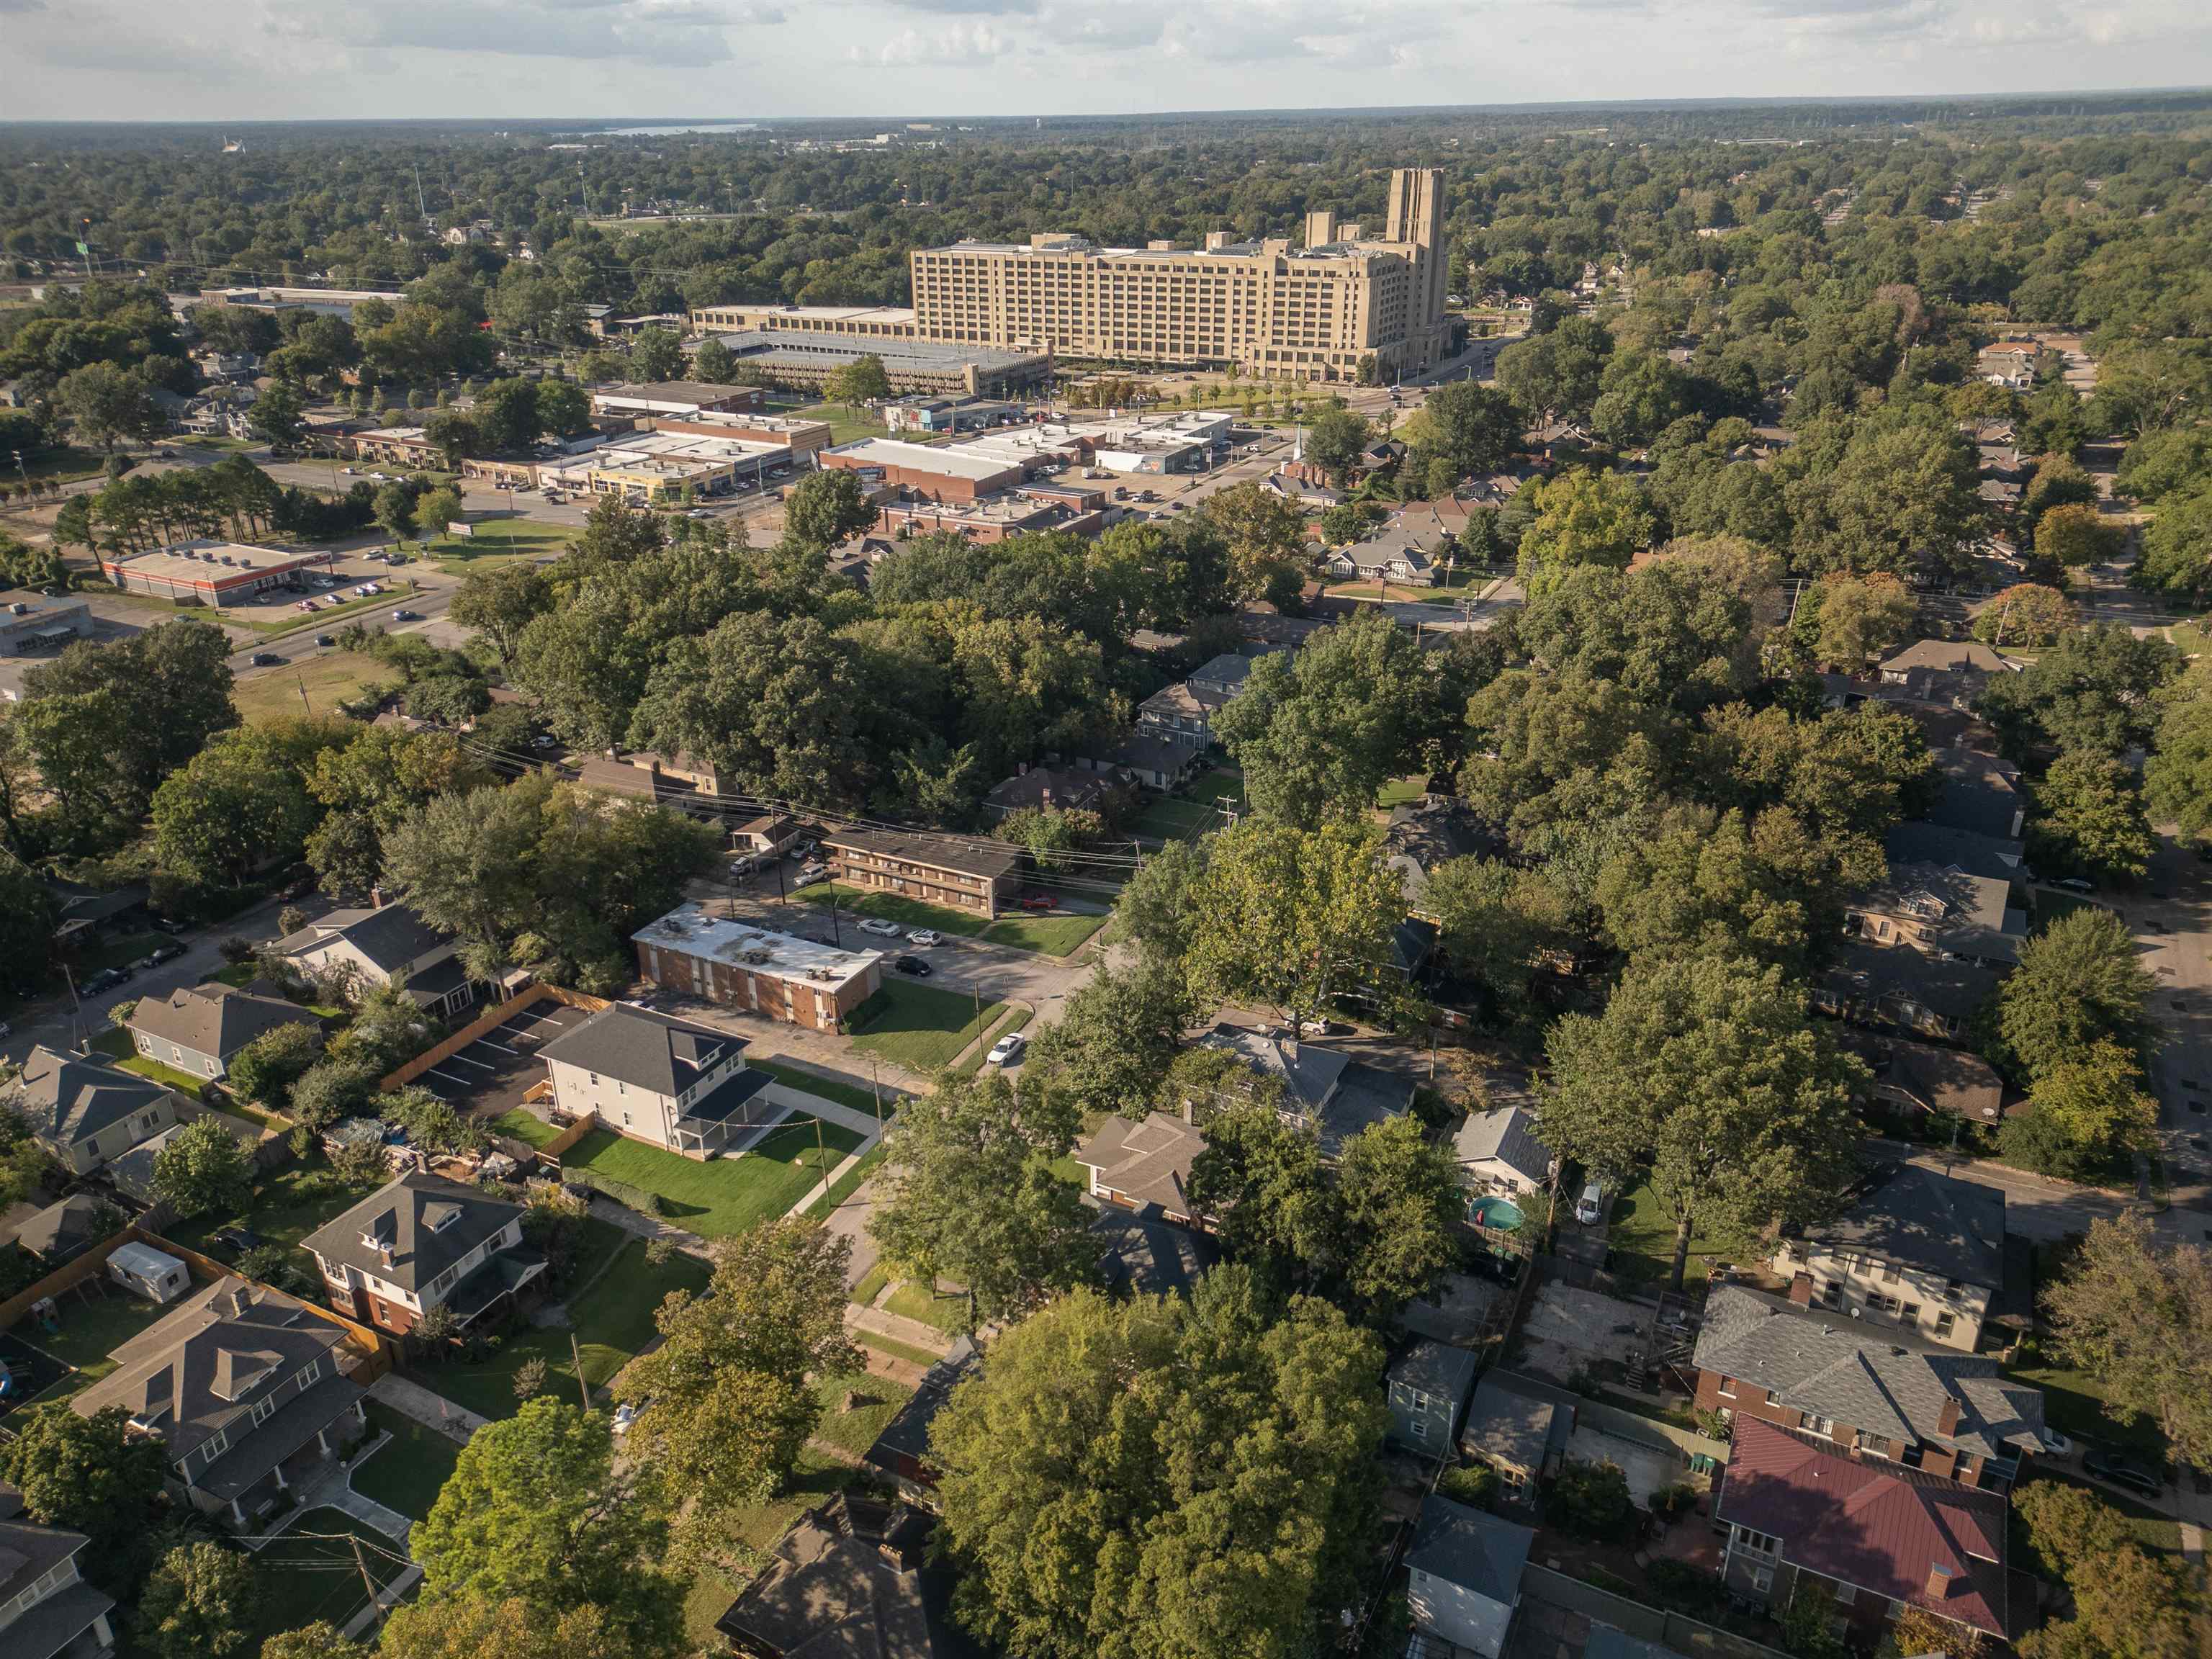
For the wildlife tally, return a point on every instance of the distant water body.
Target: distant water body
(668, 130)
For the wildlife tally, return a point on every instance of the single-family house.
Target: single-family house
(1428, 1387)
(1919, 1077)
(422, 1242)
(384, 944)
(1146, 1254)
(2011, 364)
(87, 1111)
(1182, 714)
(62, 1231)
(1394, 553)
(1517, 1428)
(1876, 1536)
(1149, 760)
(1463, 1575)
(1942, 910)
(1996, 857)
(1423, 834)
(199, 1028)
(1875, 1391)
(1144, 1165)
(1951, 671)
(1326, 1091)
(902, 1450)
(132, 1171)
(1304, 485)
(1918, 1250)
(1053, 789)
(853, 1577)
(1499, 1151)
(671, 1083)
(1981, 793)
(1908, 991)
(47, 1609)
(249, 1390)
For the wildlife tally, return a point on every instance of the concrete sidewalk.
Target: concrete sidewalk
(898, 1328)
(433, 1411)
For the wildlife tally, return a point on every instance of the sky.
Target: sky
(213, 60)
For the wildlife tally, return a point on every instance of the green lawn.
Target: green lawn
(498, 543)
(908, 912)
(2073, 1404)
(974, 1063)
(92, 1327)
(1643, 1239)
(813, 1083)
(855, 1431)
(2052, 903)
(273, 694)
(871, 1286)
(1402, 792)
(896, 1349)
(1194, 806)
(287, 1206)
(519, 1125)
(407, 1473)
(610, 1321)
(919, 1026)
(308, 1573)
(2190, 638)
(725, 1195)
(845, 424)
(914, 1301)
(1054, 935)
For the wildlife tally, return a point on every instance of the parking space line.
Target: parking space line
(458, 1082)
(489, 1044)
(481, 1066)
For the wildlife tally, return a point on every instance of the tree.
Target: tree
(1266, 537)
(2138, 1317)
(973, 1198)
(235, 808)
(1154, 912)
(2076, 535)
(433, 510)
(481, 1627)
(1641, 394)
(2177, 546)
(394, 508)
(499, 604)
(2126, 1606)
(1401, 1202)
(1708, 1072)
(2094, 1099)
(2089, 819)
(2093, 690)
(725, 1403)
(2171, 462)
(276, 418)
(1556, 375)
(369, 786)
(196, 1603)
(456, 433)
(27, 917)
(2178, 778)
(535, 1510)
(22, 565)
(563, 408)
(506, 415)
(863, 380)
(1228, 1518)
(2078, 982)
(265, 1069)
(1591, 1500)
(1582, 518)
(1324, 731)
(1336, 440)
(320, 1640)
(1859, 619)
(824, 508)
(1472, 428)
(713, 361)
(2026, 614)
(107, 404)
(656, 355)
(1114, 1041)
(91, 1475)
(1290, 916)
(204, 1170)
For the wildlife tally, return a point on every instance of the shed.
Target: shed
(153, 1273)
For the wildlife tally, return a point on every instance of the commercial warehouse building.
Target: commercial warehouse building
(807, 359)
(777, 975)
(945, 473)
(211, 573)
(674, 397)
(325, 301)
(1320, 310)
(31, 622)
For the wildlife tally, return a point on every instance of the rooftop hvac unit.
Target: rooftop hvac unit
(756, 955)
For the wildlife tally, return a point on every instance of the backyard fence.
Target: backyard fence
(490, 1020)
(629, 1197)
(551, 1150)
(1674, 1630)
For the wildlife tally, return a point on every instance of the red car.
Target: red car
(1036, 902)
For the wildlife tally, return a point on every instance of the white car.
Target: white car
(1589, 1208)
(2055, 1444)
(808, 878)
(877, 926)
(925, 936)
(625, 1415)
(1008, 1049)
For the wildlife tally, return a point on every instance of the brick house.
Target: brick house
(419, 1243)
(1874, 1391)
(778, 976)
(1874, 1536)
(976, 875)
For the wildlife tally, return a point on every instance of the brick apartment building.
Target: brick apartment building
(978, 876)
(778, 977)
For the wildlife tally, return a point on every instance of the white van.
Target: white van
(1589, 1208)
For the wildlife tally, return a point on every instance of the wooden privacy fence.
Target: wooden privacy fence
(1673, 1630)
(490, 1020)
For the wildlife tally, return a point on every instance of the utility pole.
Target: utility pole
(367, 1583)
(876, 1084)
(576, 1358)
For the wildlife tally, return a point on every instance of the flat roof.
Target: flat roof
(664, 451)
(398, 435)
(949, 459)
(216, 564)
(672, 391)
(767, 344)
(826, 314)
(35, 605)
(690, 931)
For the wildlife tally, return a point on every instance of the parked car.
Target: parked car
(2109, 1466)
(914, 965)
(265, 659)
(326, 639)
(1008, 1049)
(1036, 902)
(925, 936)
(878, 926)
(2055, 1444)
(625, 1415)
(106, 980)
(546, 740)
(240, 1238)
(1589, 1208)
(2076, 884)
(808, 878)
(398, 558)
(170, 925)
(407, 616)
(165, 953)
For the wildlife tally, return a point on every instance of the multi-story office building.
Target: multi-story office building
(1319, 310)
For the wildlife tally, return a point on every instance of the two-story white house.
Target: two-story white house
(384, 944)
(47, 1611)
(1920, 1250)
(1463, 1575)
(248, 1390)
(682, 1087)
(87, 1112)
(422, 1242)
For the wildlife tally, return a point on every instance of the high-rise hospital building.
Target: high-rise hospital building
(1318, 310)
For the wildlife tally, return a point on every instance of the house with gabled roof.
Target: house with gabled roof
(422, 1242)
(87, 1112)
(1326, 1091)
(1917, 1249)
(200, 1029)
(47, 1610)
(1463, 1575)
(1144, 1165)
(1875, 1536)
(671, 1083)
(1876, 1392)
(249, 1390)
(384, 944)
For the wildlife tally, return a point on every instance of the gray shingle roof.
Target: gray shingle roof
(1881, 1381)
(1467, 1547)
(1310, 1073)
(72, 1097)
(1516, 1426)
(388, 936)
(1148, 1162)
(1506, 1134)
(63, 1229)
(1995, 856)
(405, 1214)
(645, 1049)
(1918, 1219)
(1436, 1368)
(214, 1019)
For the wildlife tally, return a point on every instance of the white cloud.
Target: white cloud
(966, 43)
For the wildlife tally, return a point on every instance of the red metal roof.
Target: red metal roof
(1870, 1523)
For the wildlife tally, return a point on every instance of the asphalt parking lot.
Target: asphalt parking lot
(493, 1074)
